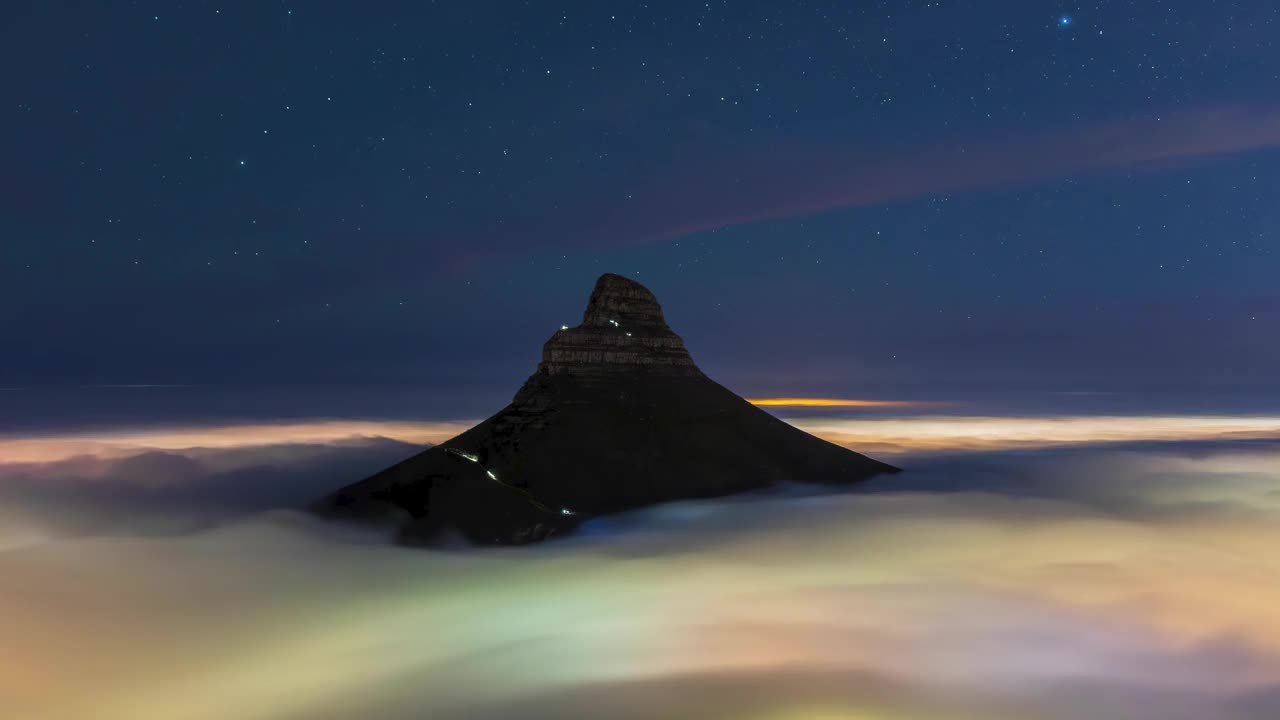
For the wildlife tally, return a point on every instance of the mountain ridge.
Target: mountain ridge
(615, 417)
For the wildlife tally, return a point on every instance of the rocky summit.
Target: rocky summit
(616, 417)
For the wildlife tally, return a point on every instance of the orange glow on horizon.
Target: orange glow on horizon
(833, 402)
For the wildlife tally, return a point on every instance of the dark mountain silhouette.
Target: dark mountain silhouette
(616, 417)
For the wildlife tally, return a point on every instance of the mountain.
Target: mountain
(617, 416)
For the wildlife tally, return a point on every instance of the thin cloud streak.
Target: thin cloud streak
(37, 448)
(800, 181)
(939, 433)
(707, 189)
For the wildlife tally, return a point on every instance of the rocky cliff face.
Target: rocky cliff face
(622, 331)
(617, 416)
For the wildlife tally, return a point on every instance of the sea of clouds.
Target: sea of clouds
(1109, 582)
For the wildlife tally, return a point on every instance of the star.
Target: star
(1065, 21)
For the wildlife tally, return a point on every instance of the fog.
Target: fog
(1097, 582)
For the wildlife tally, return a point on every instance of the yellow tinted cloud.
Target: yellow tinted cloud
(60, 446)
(957, 606)
(945, 433)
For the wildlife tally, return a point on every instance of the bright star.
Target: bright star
(1064, 21)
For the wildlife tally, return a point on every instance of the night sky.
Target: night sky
(824, 195)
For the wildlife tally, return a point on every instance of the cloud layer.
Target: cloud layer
(1084, 584)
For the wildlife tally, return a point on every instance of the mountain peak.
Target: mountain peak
(622, 330)
(617, 300)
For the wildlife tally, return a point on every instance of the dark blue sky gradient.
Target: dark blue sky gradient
(907, 194)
